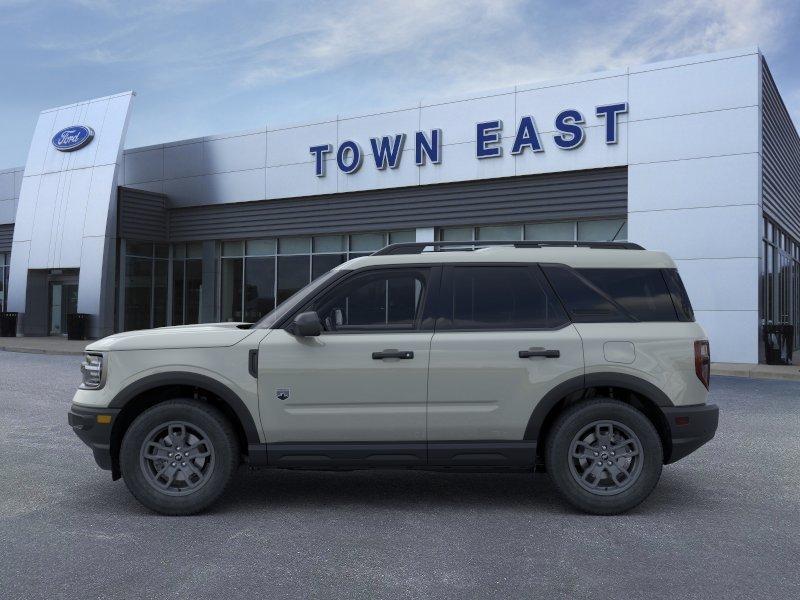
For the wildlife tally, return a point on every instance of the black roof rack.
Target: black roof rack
(418, 247)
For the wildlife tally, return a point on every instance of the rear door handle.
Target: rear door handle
(403, 354)
(533, 352)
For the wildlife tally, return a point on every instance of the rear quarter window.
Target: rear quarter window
(642, 292)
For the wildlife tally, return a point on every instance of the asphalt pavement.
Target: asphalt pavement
(722, 523)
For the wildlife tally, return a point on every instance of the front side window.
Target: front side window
(385, 300)
(501, 298)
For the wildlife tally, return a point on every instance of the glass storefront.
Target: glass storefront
(5, 260)
(146, 283)
(187, 283)
(164, 285)
(780, 282)
(605, 230)
(256, 275)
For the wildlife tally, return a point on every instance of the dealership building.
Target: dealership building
(697, 157)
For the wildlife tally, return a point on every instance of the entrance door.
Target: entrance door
(63, 296)
(356, 393)
(502, 343)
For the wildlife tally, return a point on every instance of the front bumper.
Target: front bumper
(96, 435)
(690, 427)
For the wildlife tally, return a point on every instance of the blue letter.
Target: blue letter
(610, 112)
(318, 152)
(488, 133)
(432, 149)
(386, 153)
(527, 136)
(567, 122)
(355, 157)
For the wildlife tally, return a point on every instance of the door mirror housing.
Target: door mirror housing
(306, 324)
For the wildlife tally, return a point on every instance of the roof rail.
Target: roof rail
(419, 247)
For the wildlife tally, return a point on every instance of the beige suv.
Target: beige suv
(583, 359)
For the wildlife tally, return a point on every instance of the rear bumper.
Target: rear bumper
(97, 436)
(690, 427)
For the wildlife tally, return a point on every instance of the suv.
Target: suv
(583, 359)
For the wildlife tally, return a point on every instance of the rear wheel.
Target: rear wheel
(604, 456)
(178, 457)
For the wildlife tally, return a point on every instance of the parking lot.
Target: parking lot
(723, 523)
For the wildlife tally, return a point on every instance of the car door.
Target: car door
(357, 392)
(502, 342)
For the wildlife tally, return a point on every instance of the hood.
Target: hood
(205, 335)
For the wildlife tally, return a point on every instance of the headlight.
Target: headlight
(92, 371)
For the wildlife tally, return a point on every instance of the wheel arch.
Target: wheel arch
(630, 389)
(154, 389)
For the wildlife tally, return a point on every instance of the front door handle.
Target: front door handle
(533, 352)
(392, 353)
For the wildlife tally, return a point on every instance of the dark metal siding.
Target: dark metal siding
(594, 193)
(6, 237)
(142, 215)
(780, 164)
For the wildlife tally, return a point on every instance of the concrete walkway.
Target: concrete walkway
(790, 372)
(43, 345)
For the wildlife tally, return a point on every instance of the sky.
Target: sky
(203, 67)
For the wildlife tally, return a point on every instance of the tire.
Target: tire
(586, 435)
(155, 464)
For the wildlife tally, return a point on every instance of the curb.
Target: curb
(41, 351)
(788, 374)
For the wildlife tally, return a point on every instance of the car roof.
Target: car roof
(574, 257)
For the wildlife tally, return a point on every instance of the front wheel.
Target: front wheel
(178, 457)
(604, 456)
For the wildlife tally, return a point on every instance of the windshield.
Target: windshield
(292, 301)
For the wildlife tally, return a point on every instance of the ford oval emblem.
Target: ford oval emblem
(72, 138)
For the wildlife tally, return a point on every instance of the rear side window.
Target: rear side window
(679, 296)
(501, 298)
(642, 292)
(585, 302)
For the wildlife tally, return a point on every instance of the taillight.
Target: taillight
(702, 361)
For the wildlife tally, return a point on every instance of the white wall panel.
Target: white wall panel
(55, 160)
(370, 178)
(238, 153)
(715, 181)
(147, 165)
(719, 133)
(8, 209)
(115, 124)
(458, 119)
(459, 164)
(187, 191)
(18, 175)
(73, 218)
(718, 232)
(361, 129)
(544, 104)
(289, 181)
(721, 283)
(97, 205)
(183, 160)
(91, 273)
(290, 146)
(40, 143)
(733, 334)
(42, 231)
(239, 186)
(7, 185)
(694, 88)
(594, 153)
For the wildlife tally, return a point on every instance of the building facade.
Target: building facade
(697, 157)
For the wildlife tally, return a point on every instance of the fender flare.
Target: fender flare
(590, 380)
(228, 396)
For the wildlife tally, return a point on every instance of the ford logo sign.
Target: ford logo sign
(72, 138)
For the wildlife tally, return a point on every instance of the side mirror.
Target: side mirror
(306, 324)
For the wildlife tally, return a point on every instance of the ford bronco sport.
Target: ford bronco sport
(582, 359)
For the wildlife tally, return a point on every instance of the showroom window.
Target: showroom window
(146, 282)
(601, 230)
(5, 260)
(780, 280)
(187, 283)
(257, 275)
